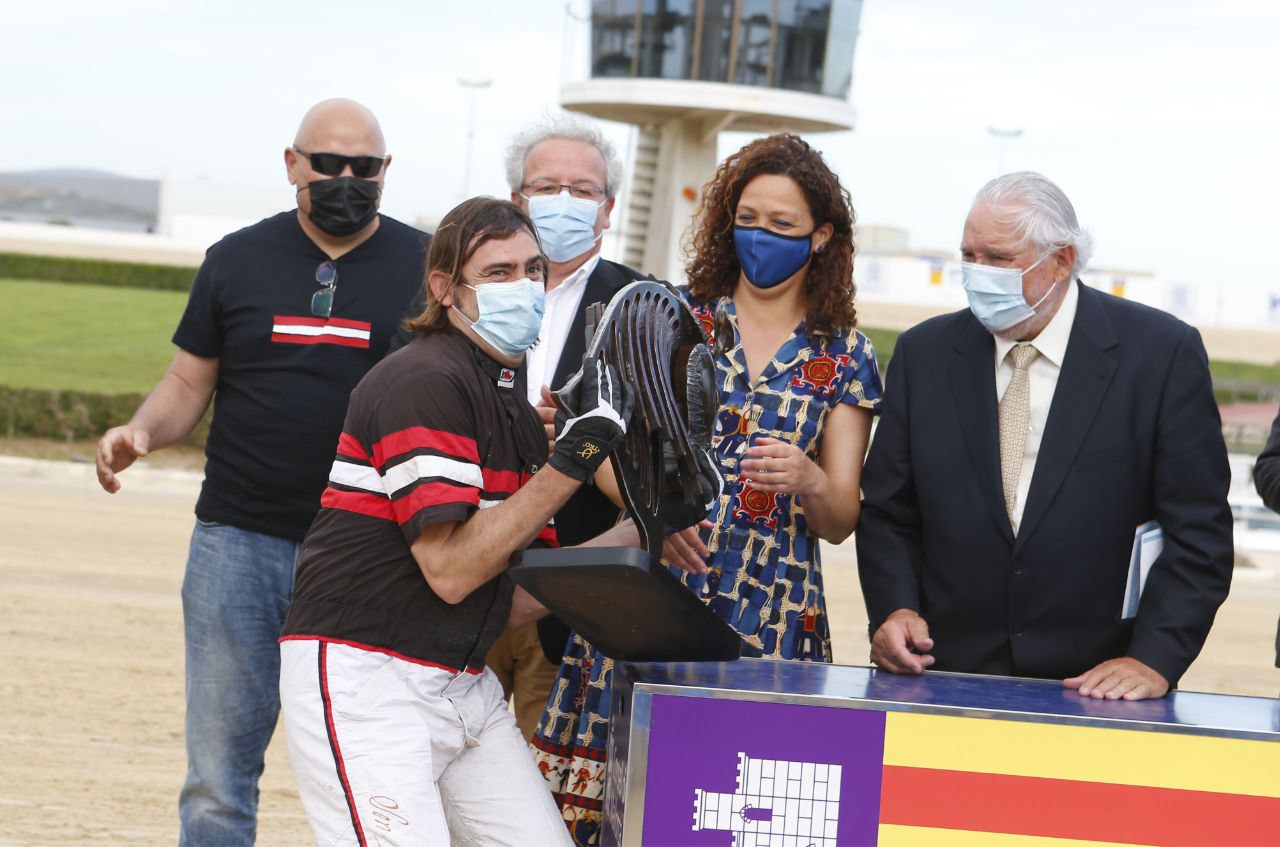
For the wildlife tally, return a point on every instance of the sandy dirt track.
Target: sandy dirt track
(91, 703)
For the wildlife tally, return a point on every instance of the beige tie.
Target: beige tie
(1015, 422)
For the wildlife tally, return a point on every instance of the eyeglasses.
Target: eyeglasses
(547, 188)
(322, 300)
(332, 164)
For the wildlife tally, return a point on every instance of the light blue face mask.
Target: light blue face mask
(566, 225)
(995, 294)
(510, 314)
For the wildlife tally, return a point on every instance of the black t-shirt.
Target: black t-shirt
(285, 375)
(435, 432)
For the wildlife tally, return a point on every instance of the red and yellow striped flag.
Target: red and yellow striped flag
(977, 781)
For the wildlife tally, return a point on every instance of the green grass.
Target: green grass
(116, 340)
(882, 340)
(1245, 372)
(85, 337)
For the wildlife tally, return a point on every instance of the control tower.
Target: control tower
(683, 71)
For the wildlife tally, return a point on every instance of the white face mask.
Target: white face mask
(566, 224)
(995, 294)
(509, 314)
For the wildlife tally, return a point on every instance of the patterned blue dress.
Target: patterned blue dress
(765, 577)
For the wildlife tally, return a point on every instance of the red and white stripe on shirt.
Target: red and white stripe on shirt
(414, 469)
(340, 331)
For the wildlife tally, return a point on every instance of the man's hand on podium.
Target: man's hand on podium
(902, 642)
(1119, 678)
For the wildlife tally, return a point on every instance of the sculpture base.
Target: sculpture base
(629, 607)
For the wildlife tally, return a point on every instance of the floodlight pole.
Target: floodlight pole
(1003, 136)
(472, 85)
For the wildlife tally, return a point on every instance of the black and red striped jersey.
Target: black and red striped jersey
(435, 432)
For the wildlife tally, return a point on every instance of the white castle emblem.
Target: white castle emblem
(777, 804)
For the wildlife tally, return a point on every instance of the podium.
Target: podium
(761, 752)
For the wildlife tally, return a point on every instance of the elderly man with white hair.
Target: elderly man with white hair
(1021, 444)
(565, 174)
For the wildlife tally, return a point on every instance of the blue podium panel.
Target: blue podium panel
(761, 752)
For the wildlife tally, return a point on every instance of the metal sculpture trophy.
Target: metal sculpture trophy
(623, 599)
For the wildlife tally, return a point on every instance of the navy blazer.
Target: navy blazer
(1133, 434)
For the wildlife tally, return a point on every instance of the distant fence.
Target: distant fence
(1250, 435)
(1248, 438)
(1228, 391)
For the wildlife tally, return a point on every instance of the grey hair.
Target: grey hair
(1039, 212)
(571, 128)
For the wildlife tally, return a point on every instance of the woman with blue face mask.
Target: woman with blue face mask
(771, 280)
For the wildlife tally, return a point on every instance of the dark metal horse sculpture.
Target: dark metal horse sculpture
(622, 599)
(657, 346)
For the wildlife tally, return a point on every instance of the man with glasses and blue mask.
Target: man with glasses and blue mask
(1024, 445)
(284, 319)
(565, 174)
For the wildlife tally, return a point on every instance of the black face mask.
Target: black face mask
(343, 205)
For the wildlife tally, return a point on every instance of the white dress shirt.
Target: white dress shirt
(561, 308)
(1043, 375)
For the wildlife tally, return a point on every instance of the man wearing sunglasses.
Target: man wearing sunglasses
(284, 318)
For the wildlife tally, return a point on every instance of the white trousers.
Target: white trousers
(387, 751)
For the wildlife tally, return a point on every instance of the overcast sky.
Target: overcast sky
(1159, 118)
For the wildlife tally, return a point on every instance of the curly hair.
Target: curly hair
(713, 269)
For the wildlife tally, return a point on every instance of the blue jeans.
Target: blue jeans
(234, 599)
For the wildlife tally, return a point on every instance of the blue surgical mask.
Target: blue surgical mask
(995, 295)
(510, 314)
(768, 258)
(566, 225)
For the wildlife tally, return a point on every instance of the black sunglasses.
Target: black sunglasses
(331, 164)
(322, 300)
